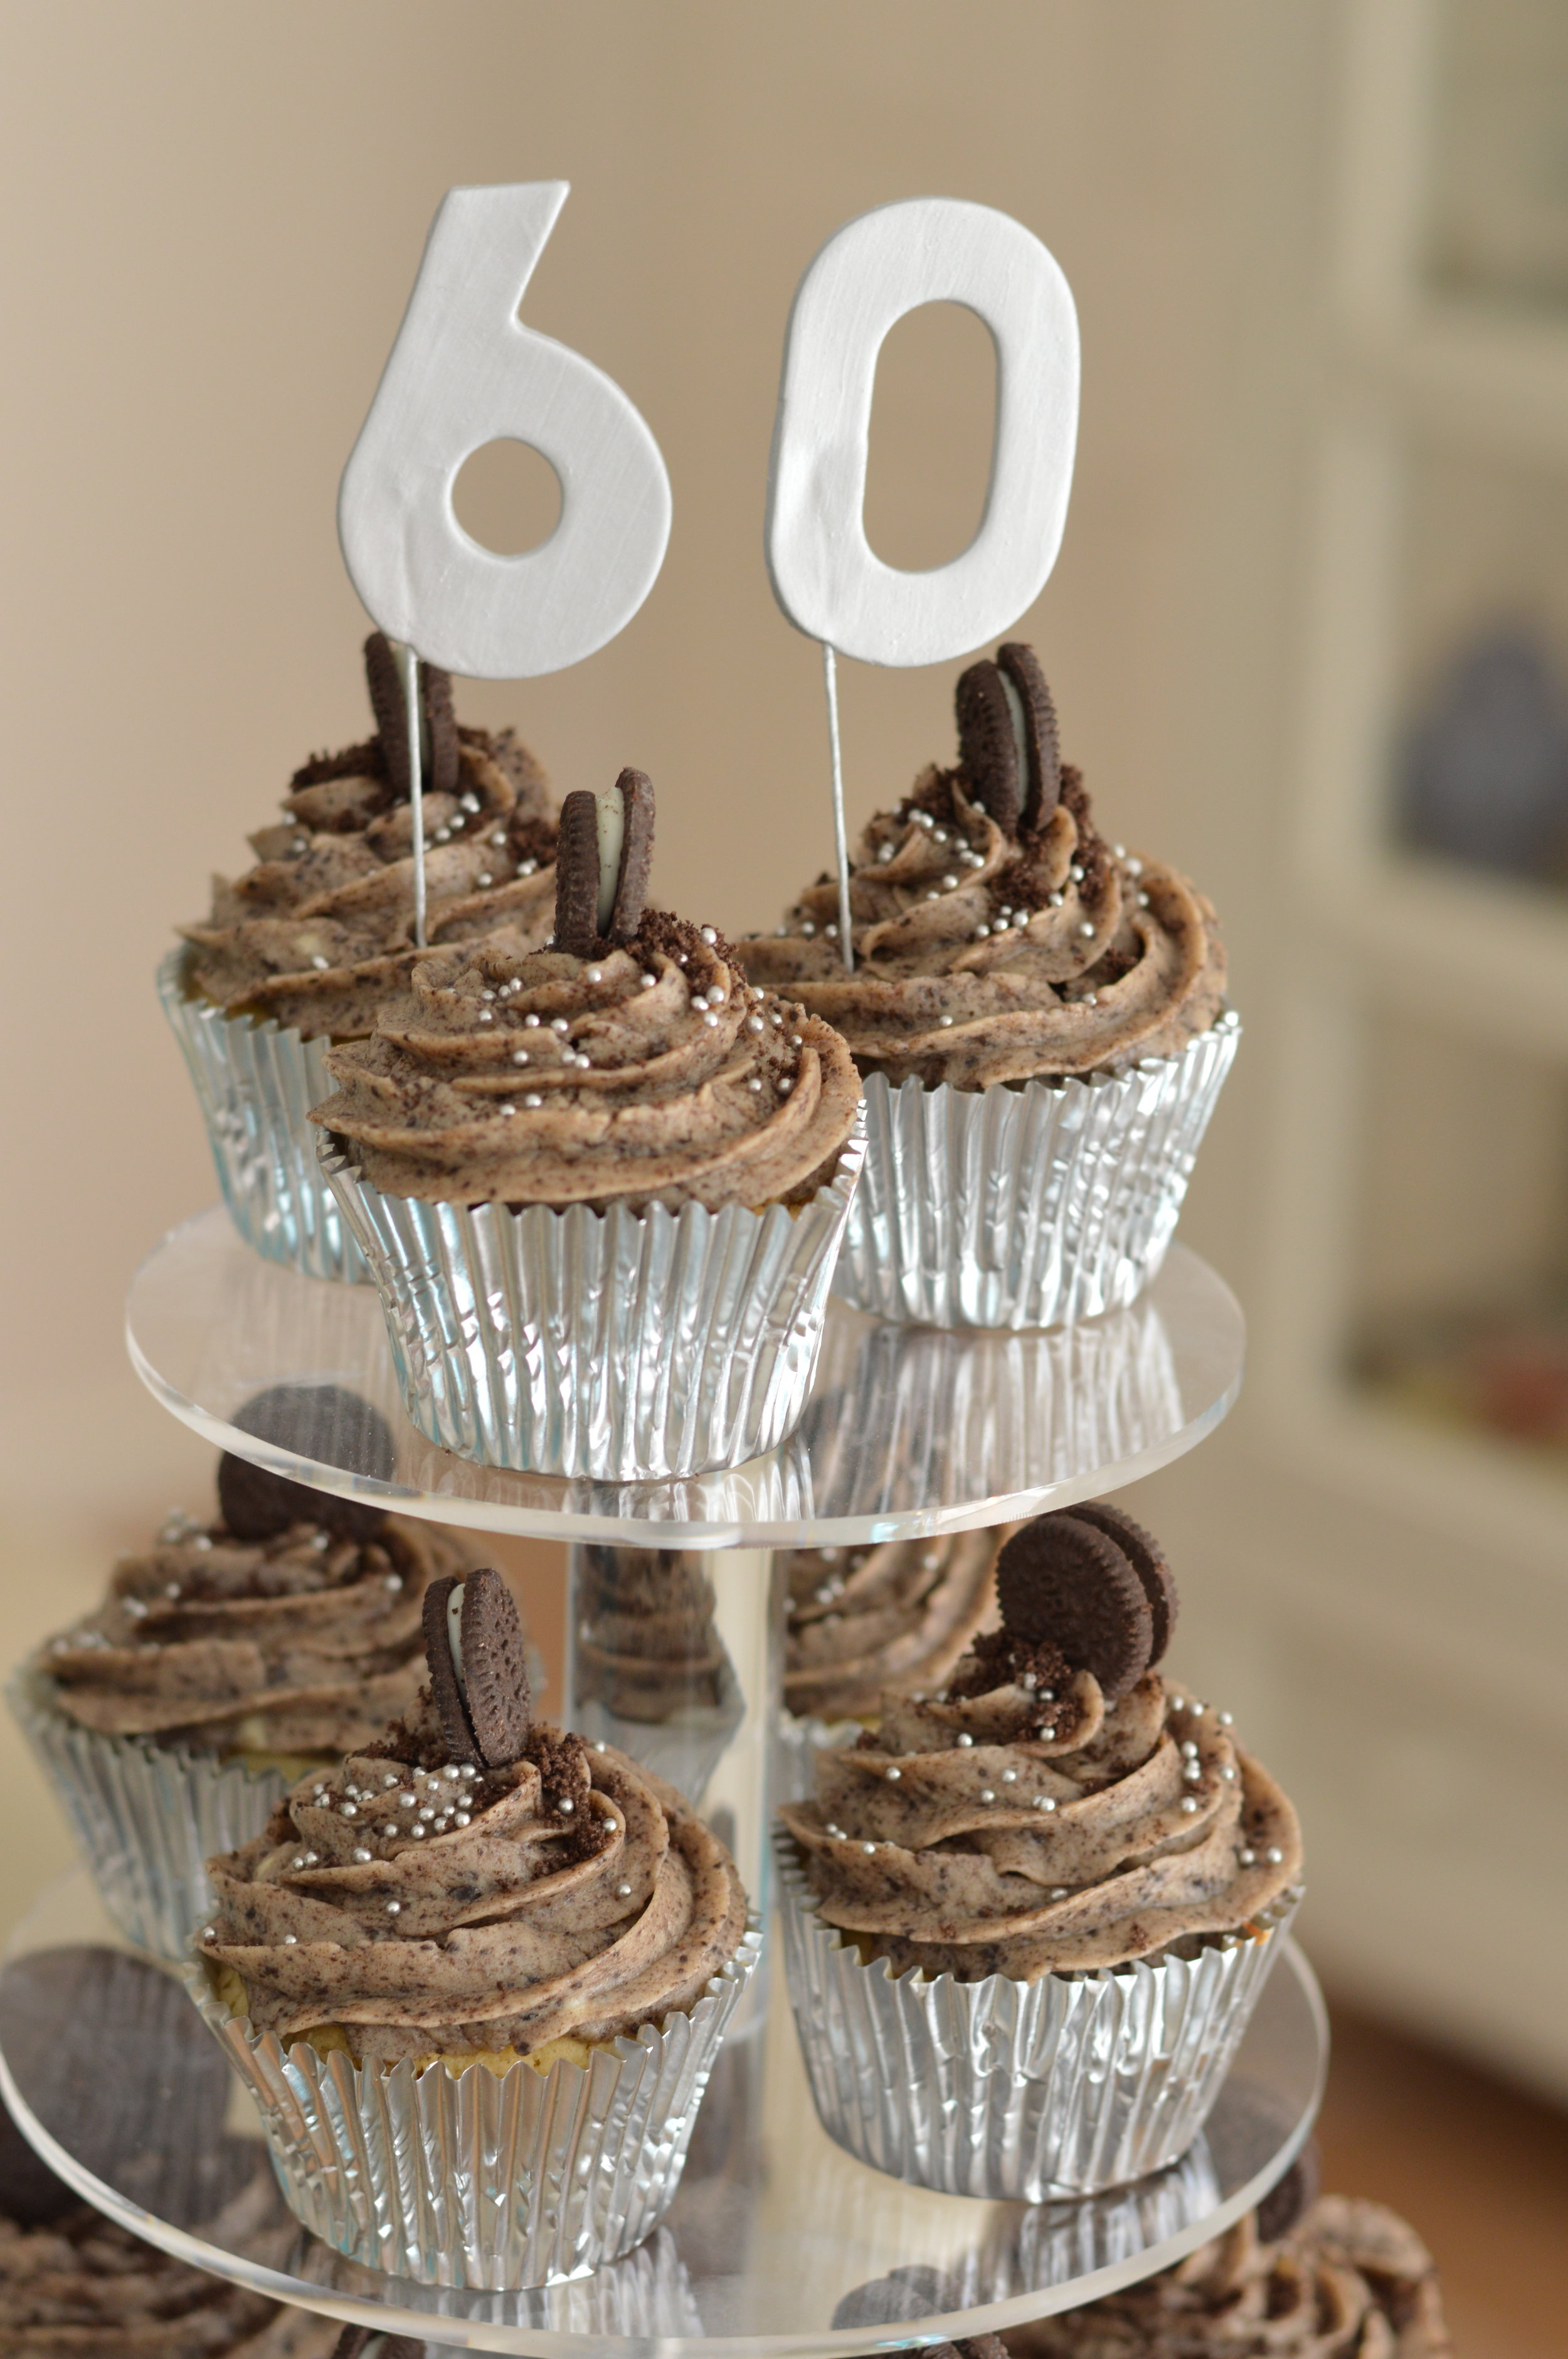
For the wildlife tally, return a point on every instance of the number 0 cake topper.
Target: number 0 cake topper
(824, 573)
(464, 370)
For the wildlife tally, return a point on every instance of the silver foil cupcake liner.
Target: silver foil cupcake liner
(256, 1083)
(147, 1816)
(1018, 2090)
(1029, 1205)
(614, 1346)
(499, 2180)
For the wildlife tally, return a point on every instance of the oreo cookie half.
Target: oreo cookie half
(1062, 1582)
(320, 1421)
(988, 748)
(389, 703)
(636, 855)
(486, 1712)
(1041, 789)
(1291, 2196)
(577, 874)
(1147, 1558)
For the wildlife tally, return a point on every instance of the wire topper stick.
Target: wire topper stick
(825, 574)
(465, 371)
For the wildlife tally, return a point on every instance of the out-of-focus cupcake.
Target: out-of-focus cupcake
(487, 1966)
(1340, 2279)
(612, 1143)
(225, 1661)
(305, 946)
(1040, 1019)
(649, 1670)
(1028, 1919)
(865, 1622)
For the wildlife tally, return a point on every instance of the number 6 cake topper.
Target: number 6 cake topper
(824, 573)
(465, 371)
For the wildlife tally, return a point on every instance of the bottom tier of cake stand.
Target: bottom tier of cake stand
(777, 2245)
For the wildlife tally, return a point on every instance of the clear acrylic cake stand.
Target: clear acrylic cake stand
(778, 2242)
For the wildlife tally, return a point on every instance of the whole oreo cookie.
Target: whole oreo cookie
(389, 703)
(1147, 1558)
(988, 749)
(320, 1421)
(1289, 2197)
(357, 2341)
(636, 855)
(577, 874)
(1043, 746)
(486, 1715)
(1062, 1582)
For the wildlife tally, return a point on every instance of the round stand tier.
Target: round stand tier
(777, 2245)
(909, 1431)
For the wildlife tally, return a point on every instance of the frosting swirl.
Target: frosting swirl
(1351, 2280)
(433, 1908)
(898, 1616)
(994, 944)
(649, 1074)
(306, 1643)
(87, 2285)
(322, 929)
(1024, 1830)
(646, 1643)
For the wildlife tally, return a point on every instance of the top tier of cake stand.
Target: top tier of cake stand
(908, 1430)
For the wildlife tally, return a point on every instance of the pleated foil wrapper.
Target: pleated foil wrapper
(147, 1816)
(1030, 1205)
(256, 1084)
(617, 1346)
(498, 2181)
(1018, 2092)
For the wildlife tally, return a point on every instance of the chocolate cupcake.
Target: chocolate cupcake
(1063, 1854)
(480, 1951)
(615, 1142)
(863, 1623)
(649, 1670)
(1348, 2279)
(226, 1660)
(1040, 1019)
(306, 946)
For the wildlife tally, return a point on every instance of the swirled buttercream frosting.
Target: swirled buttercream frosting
(306, 1642)
(86, 2285)
(1351, 2280)
(423, 1907)
(646, 1643)
(640, 1073)
(319, 931)
(996, 936)
(1026, 1830)
(896, 1617)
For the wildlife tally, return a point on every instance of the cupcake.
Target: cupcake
(601, 1186)
(477, 1979)
(72, 2281)
(865, 1622)
(1337, 2279)
(226, 1660)
(1028, 1919)
(1040, 1019)
(303, 948)
(649, 1670)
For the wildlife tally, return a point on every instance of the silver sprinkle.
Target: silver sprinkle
(394, 1908)
(1044, 1801)
(1086, 931)
(1248, 1858)
(485, 877)
(290, 1940)
(1274, 1855)
(868, 1849)
(566, 1806)
(963, 1738)
(623, 1892)
(596, 975)
(708, 933)
(361, 1853)
(1010, 1777)
(350, 1811)
(986, 1795)
(320, 964)
(532, 1098)
(893, 1776)
(1188, 1803)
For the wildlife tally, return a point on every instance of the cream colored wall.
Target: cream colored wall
(213, 214)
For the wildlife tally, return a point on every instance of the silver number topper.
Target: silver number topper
(465, 371)
(824, 573)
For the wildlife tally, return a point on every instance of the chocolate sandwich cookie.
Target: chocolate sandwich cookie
(604, 863)
(478, 1660)
(324, 1422)
(998, 936)
(384, 678)
(1292, 2196)
(1064, 1582)
(1146, 1556)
